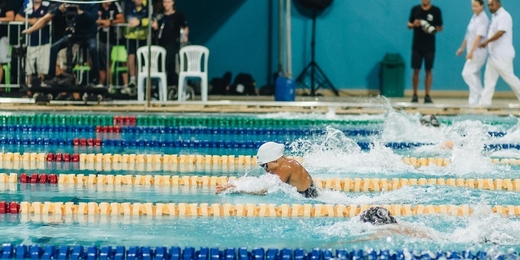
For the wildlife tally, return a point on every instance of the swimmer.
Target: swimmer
(379, 216)
(432, 121)
(271, 158)
(386, 226)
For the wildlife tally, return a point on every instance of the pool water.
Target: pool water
(331, 146)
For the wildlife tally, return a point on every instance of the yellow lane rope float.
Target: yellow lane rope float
(242, 210)
(339, 184)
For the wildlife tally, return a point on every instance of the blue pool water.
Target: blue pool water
(329, 151)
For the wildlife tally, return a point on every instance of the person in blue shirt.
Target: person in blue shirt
(109, 13)
(85, 31)
(136, 15)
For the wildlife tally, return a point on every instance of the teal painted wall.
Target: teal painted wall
(352, 38)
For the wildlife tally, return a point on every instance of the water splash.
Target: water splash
(335, 152)
(468, 155)
(403, 127)
(485, 227)
(269, 183)
(512, 135)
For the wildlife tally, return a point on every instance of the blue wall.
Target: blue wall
(352, 38)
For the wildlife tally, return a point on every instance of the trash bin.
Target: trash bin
(285, 89)
(392, 75)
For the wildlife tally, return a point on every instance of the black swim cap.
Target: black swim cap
(377, 216)
(430, 120)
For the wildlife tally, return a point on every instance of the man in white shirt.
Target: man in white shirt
(501, 53)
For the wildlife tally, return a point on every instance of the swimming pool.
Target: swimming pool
(148, 180)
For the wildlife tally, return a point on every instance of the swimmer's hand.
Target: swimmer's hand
(223, 187)
(447, 145)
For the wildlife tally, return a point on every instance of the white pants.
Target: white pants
(495, 67)
(472, 76)
(5, 55)
(40, 56)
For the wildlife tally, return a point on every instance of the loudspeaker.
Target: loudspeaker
(318, 5)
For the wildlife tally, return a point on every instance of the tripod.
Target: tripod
(313, 69)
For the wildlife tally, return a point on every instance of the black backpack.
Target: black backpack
(220, 86)
(244, 84)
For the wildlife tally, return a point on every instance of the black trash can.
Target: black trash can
(392, 75)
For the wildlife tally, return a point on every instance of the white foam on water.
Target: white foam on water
(512, 135)
(335, 152)
(402, 127)
(267, 182)
(509, 153)
(468, 156)
(485, 227)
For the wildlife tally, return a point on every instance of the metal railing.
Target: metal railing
(106, 52)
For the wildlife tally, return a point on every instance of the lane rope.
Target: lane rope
(344, 184)
(195, 159)
(238, 210)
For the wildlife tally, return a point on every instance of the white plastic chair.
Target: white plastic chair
(158, 70)
(193, 63)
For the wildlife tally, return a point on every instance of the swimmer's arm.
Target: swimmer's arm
(260, 192)
(376, 236)
(413, 232)
(223, 187)
(406, 230)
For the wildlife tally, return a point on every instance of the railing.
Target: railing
(106, 52)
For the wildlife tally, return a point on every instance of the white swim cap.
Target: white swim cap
(269, 152)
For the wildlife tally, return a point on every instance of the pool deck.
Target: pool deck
(266, 104)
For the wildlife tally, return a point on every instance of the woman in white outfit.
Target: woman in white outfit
(475, 56)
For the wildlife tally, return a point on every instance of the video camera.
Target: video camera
(427, 27)
(71, 11)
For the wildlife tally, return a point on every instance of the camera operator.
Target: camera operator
(81, 28)
(425, 20)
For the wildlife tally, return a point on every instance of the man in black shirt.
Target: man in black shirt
(168, 25)
(85, 31)
(425, 20)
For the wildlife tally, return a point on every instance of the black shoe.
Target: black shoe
(63, 96)
(415, 99)
(427, 99)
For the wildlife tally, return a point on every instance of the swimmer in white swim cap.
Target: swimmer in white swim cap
(271, 158)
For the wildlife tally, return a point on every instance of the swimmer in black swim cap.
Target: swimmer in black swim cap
(430, 120)
(387, 227)
(377, 216)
